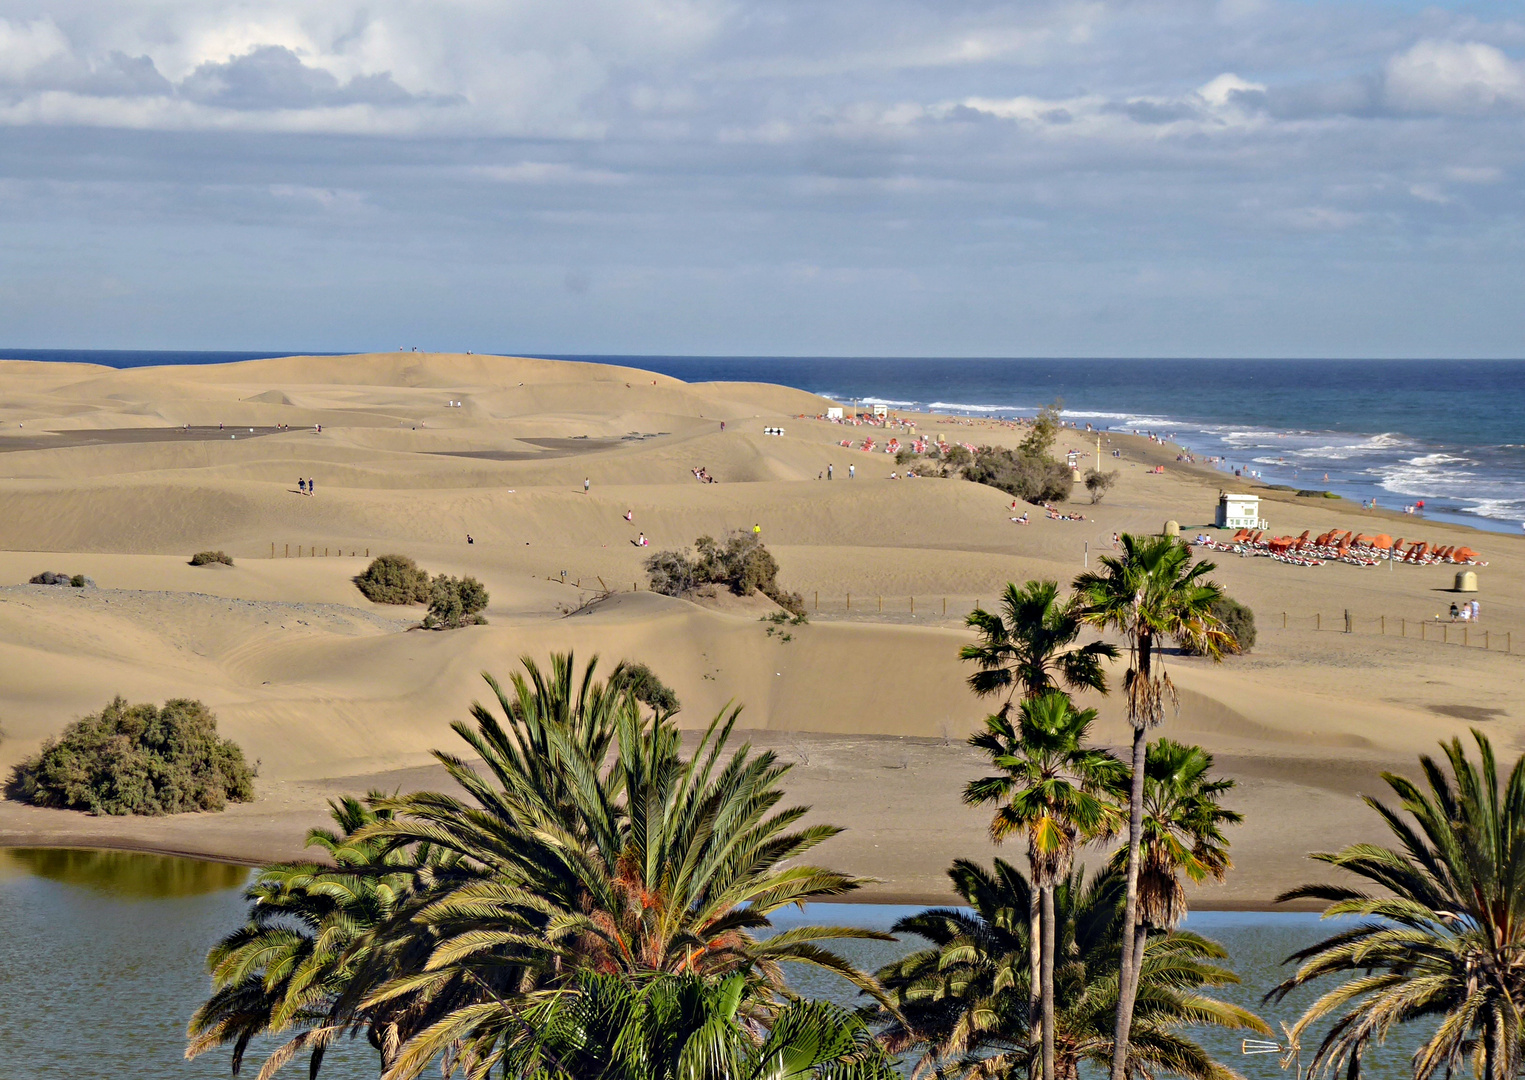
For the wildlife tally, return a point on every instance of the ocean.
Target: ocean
(1448, 432)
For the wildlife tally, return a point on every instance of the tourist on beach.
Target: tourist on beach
(852, 471)
(470, 539)
(302, 485)
(629, 515)
(585, 483)
(311, 485)
(641, 542)
(829, 468)
(1453, 611)
(756, 530)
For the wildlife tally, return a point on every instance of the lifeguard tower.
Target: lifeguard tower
(1239, 512)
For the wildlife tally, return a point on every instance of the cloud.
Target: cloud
(1454, 77)
(274, 77)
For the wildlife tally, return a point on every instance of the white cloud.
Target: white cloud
(27, 46)
(1454, 77)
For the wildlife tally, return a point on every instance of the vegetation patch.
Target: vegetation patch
(647, 687)
(138, 759)
(211, 558)
(50, 577)
(741, 563)
(1098, 483)
(454, 602)
(394, 579)
(1236, 618)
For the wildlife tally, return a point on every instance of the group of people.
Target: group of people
(1467, 612)
(702, 474)
(305, 486)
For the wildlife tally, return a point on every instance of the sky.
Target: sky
(737, 177)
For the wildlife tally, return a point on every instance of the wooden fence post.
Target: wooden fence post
(913, 605)
(1283, 620)
(818, 599)
(881, 605)
(288, 551)
(1384, 626)
(1318, 620)
(849, 601)
(945, 607)
(272, 549)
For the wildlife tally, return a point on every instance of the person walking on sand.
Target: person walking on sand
(585, 483)
(757, 530)
(641, 542)
(470, 539)
(629, 515)
(302, 485)
(852, 471)
(311, 485)
(829, 468)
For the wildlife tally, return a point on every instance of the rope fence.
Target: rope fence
(1464, 633)
(315, 551)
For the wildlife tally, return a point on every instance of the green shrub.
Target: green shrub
(1031, 479)
(78, 581)
(138, 759)
(454, 602)
(648, 689)
(741, 563)
(1237, 619)
(394, 579)
(209, 558)
(1097, 483)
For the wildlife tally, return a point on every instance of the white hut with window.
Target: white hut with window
(1239, 512)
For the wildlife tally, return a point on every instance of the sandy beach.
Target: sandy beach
(122, 475)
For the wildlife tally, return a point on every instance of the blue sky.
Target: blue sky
(1069, 178)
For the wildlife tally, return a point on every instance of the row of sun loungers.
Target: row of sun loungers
(1356, 549)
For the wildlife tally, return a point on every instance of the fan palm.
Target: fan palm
(1183, 832)
(642, 863)
(1053, 788)
(1151, 594)
(962, 1002)
(1442, 936)
(307, 952)
(1024, 646)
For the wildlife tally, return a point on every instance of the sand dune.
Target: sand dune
(332, 693)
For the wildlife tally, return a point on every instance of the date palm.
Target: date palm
(1053, 788)
(1151, 594)
(684, 1027)
(961, 1004)
(1183, 833)
(307, 953)
(643, 861)
(1024, 646)
(1441, 939)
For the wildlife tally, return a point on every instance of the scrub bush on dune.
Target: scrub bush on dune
(454, 602)
(394, 579)
(138, 759)
(211, 558)
(740, 562)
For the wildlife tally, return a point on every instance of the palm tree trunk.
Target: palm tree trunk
(1136, 969)
(1127, 982)
(1035, 958)
(1048, 983)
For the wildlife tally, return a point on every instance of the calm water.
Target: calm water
(101, 964)
(1445, 431)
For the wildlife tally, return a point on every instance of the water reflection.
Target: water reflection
(125, 874)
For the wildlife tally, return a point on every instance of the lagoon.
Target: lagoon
(102, 962)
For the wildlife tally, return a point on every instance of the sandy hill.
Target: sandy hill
(121, 475)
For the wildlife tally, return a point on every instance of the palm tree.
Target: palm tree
(1025, 645)
(962, 1002)
(599, 847)
(1443, 931)
(678, 1027)
(1183, 833)
(308, 953)
(1053, 788)
(1151, 594)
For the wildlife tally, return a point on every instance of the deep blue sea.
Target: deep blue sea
(1449, 432)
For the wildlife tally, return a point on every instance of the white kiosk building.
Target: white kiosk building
(1239, 512)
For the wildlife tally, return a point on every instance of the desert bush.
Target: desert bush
(1032, 479)
(394, 579)
(957, 457)
(138, 759)
(648, 689)
(51, 577)
(209, 558)
(1097, 483)
(1045, 430)
(741, 563)
(454, 602)
(1237, 619)
(905, 455)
